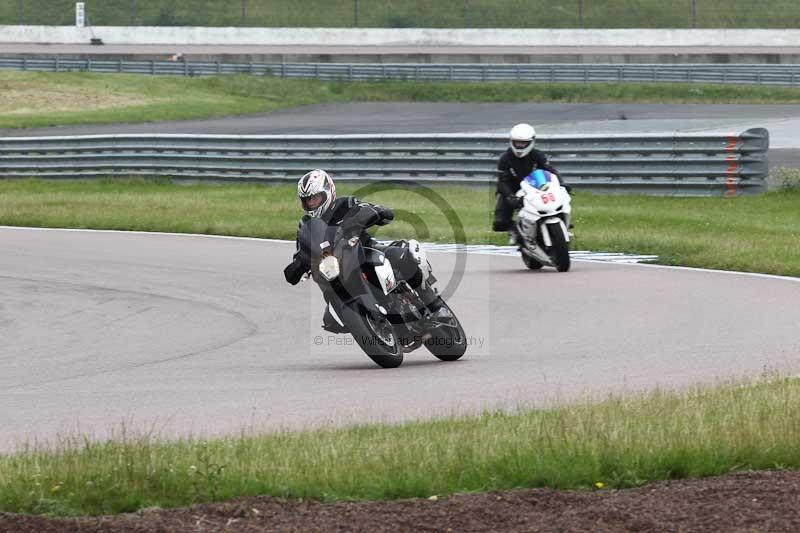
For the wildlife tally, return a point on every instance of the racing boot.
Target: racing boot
(428, 295)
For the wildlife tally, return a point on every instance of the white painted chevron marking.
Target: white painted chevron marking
(582, 255)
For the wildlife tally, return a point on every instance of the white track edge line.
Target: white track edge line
(282, 241)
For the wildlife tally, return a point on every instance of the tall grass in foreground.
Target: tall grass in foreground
(622, 442)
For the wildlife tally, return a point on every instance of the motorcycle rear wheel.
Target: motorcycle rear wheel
(448, 341)
(531, 263)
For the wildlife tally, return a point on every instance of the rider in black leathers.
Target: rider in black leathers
(354, 217)
(514, 165)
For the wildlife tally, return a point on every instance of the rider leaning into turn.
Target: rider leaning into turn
(514, 165)
(317, 194)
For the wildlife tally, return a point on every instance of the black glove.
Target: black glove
(515, 202)
(386, 215)
(294, 272)
(351, 229)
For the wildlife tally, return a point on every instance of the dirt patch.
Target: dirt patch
(753, 501)
(23, 98)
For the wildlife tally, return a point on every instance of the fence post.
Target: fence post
(244, 12)
(467, 14)
(21, 12)
(133, 12)
(355, 13)
(694, 14)
(57, 65)
(153, 67)
(24, 63)
(580, 14)
(219, 68)
(119, 65)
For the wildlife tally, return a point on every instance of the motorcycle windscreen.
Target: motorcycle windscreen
(539, 177)
(313, 232)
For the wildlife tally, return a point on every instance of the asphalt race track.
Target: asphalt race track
(200, 334)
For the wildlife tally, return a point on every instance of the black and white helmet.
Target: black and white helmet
(523, 137)
(316, 192)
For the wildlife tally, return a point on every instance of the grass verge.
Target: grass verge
(754, 233)
(48, 99)
(411, 13)
(620, 442)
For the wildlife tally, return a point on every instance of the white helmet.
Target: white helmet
(523, 137)
(316, 192)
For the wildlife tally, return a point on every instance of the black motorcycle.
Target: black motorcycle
(385, 315)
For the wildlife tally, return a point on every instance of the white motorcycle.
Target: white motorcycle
(543, 221)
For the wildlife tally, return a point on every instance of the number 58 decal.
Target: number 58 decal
(548, 197)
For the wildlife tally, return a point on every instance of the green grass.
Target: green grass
(754, 233)
(621, 442)
(50, 99)
(414, 13)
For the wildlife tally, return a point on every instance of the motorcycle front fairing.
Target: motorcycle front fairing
(548, 205)
(319, 239)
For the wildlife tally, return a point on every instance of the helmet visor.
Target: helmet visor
(310, 203)
(521, 145)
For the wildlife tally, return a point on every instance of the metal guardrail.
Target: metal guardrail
(761, 74)
(688, 164)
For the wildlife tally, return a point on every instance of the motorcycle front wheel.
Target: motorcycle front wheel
(560, 249)
(376, 336)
